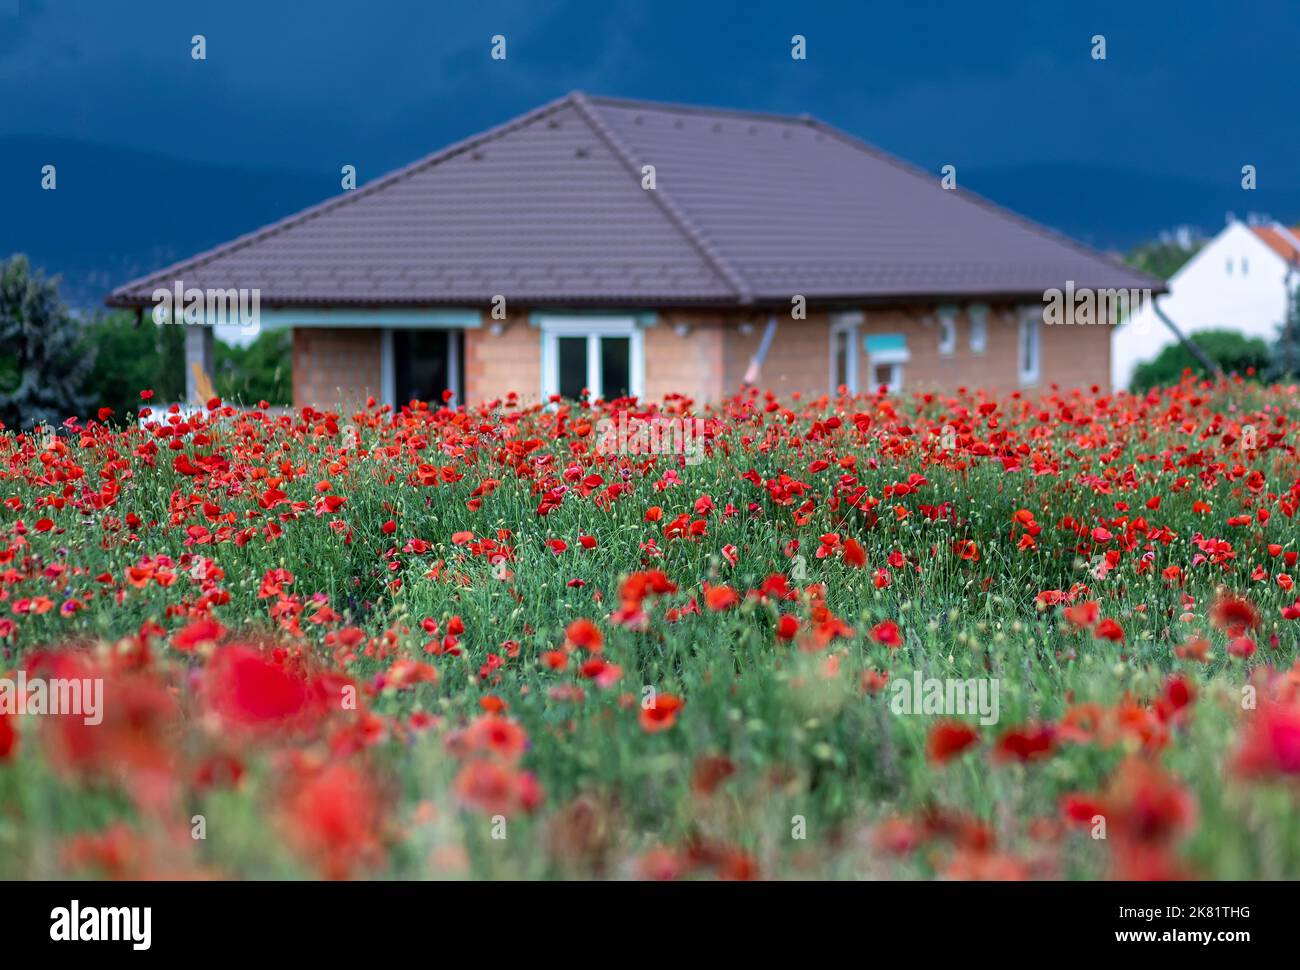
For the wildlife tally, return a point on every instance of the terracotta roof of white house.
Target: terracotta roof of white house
(1283, 241)
(549, 208)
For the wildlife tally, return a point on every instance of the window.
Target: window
(979, 328)
(886, 355)
(603, 356)
(1229, 265)
(887, 375)
(844, 352)
(947, 331)
(1245, 266)
(1029, 351)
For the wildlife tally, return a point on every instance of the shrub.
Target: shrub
(262, 371)
(130, 356)
(43, 361)
(1227, 348)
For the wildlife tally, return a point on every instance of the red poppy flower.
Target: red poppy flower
(333, 817)
(1197, 648)
(886, 632)
(719, 598)
(1109, 629)
(494, 788)
(1025, 743)
(854, 554)
(1243, 647)
(202, 631)
(247, 689)
(710, 772)
(1084, 615)
(555, 659)
(585, 635)
(948, 739)
(604, 673)
(8, 736)
(1270, 743)
(1146, 805)
(1233, 614)
(661, 714)
(873, 681)
(406, 673)
(496, 735)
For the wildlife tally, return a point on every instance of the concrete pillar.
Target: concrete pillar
(199, 364)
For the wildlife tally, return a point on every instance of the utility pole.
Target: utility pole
(1292, 312)
(1186, 341)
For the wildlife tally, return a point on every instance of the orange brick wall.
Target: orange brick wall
(797, 361)
(1075, 356)
(928, 370)
(497, 365)
(706, 363)
(691, 363)
(336, 367)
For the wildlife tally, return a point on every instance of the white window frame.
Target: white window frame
(593, 328)
(895, 361)
(1030, 322)
(845, 323)
(979, 328)
(895, 365)
(947, 317)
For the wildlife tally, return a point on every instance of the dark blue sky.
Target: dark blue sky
(1187, 89)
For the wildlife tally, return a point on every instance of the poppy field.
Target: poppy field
(1048, 636)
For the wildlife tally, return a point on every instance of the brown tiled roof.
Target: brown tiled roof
(1282, 242)
(549, 208)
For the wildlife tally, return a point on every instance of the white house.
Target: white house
(1239, 281)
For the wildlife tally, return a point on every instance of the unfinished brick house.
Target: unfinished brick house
(615, 247)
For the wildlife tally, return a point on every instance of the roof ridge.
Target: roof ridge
(117, 296)
(675, 213)
(695, 109)
(976, 199)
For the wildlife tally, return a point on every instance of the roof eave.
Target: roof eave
(122, 300)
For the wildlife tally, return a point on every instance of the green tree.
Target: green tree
(170, 385)
(1227, 348)
(1286, 350)
(262, 371)
(43, 358)
(131, 356)
(1162, 258)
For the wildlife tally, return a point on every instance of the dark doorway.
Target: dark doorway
(425, 363)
